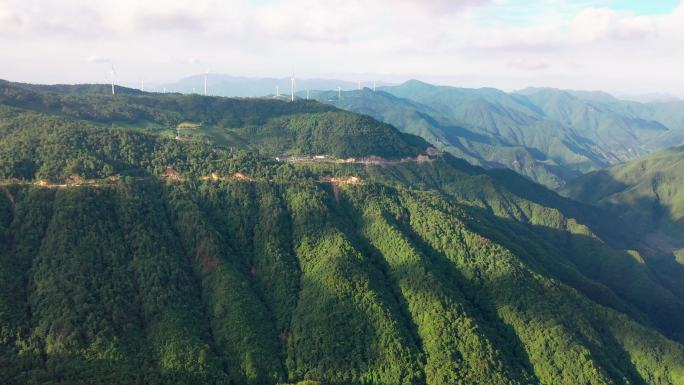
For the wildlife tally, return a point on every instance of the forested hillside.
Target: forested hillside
(648, 192)
(549, 135)
(268, 126)
(131, 256)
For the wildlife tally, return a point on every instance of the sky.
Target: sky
(620, 46)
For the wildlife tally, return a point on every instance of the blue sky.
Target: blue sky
(528, 12)
(641, 7)
(622, 46)
(645, 7)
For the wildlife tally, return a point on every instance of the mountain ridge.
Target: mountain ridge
(546, 134)
(168, 270)
(646, 191)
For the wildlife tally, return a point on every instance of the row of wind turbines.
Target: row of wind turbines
(113, 74)
(292, 89)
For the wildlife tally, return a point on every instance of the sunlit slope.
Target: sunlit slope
(548, 135)
(648, 191)
(132, 257)
(387, 286)
(267, 126)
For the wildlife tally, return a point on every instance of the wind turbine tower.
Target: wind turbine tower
(339, 92)
(307, 94)
(112, 73)
(359, 85)
(374, 85)
(142, 85)
(206, 73)
(277, 91)
(292, 85)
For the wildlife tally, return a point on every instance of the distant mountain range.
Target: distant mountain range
(546, 134)
(549, 135)
(653, 97)
(239, 86)
(155, 239)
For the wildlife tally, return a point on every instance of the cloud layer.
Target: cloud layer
(504, 43)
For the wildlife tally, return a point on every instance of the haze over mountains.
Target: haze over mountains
(156, 239)
(395, 192)
(240, 86)
(548, 135)
(648, 191)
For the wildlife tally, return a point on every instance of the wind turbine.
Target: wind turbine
(112, 73)
(292, 85)
(307, 94)
(359, 85)
(206, 73)
(339, 92)
(277, 91)
(373, 85)
(142, 85)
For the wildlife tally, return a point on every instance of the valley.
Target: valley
(300, 192)
(548, 135)
(131, 257)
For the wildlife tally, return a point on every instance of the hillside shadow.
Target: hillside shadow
(607, 226)
(647, 224)
(450, 282)
(611, 277)
(556, 320)
(659, 232)
(480, 308)
(347, 327)
(534, 304)
(71, 368)
(335, 340)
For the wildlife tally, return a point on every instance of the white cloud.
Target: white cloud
(97, 59)
(603, 24)
(176, 21)
(8, 19)
(508, 41)
(38, 19)
(445, 5)
(528, 65)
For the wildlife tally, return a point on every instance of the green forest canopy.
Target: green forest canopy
(418, 273)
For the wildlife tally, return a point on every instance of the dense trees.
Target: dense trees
(435, 273)
(647, 191)
(144, 282)
(548, 135)
(271, 127)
